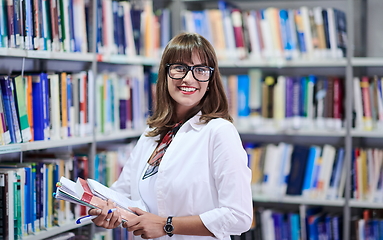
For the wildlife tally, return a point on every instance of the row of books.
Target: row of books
(124, 28)
(45, 106)
(54, 106)
(313, 223)
(271, 33)
(27, 196)
(286, 102)
(367, 226)
(66, 26)
(58, 25)
(367, 174)
(122, 101)
(308, 171)
(315, 172)
(27, 189)
(368, 102)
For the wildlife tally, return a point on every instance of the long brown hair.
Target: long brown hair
(213, 105)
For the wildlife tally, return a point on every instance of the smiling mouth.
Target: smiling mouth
(187, 89)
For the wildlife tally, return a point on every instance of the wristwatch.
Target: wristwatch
(169, 226)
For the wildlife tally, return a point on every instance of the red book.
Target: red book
(83, 190)
(236, 17)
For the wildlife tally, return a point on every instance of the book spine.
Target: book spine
(7, 108)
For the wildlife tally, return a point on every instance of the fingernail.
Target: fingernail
(98, 211)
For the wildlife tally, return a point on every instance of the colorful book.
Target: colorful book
(20, 83)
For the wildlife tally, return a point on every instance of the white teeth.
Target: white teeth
(186, 89)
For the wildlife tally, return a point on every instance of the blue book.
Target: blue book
(121, 32)
(336, 226)
(117, 27)
(136, 26)
(286, 33)
(299, 158)
(32, 197)
(28, 213)
(10, 109)
(380, 227)
(243, 95)
(294, 226)
(309, 173)
(28, 25)
(326, 29)
(38, 108)
(336, 174)
(69, 103)
(17, 21)
(3, 26)
(277, 221)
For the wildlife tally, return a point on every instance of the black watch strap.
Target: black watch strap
(169, 226)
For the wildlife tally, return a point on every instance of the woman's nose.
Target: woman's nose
(189, 77)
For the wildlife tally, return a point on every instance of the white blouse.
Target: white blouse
(203, 172)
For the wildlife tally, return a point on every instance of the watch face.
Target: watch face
(168, 228)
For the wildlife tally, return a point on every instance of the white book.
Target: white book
(229, 33)
(279, 103)
(90, 102)
(80, 25)
(335, 52)
(268, 232)
(328, 156)
(129, 40)
(285, 167)
(357, 103)
(270, 173)
(54, 84)
(267, 37)
(108, 35)
(378, 158)
(307, 31)
(66, 43)
(251, 19)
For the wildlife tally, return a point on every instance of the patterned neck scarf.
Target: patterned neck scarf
(154, 163)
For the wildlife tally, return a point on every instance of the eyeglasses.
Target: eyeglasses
(178, 71)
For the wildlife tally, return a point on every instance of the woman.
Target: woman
(189, 167)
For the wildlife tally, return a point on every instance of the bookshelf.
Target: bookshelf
(362, 17)
(363, 58)
(90, 61)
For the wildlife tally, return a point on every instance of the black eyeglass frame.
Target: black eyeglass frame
(189, 68)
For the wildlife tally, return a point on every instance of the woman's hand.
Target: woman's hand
(146, 225)
(107, 218)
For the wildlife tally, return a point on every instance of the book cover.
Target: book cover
(66, 190)
(366, 103)
(55, 111)
(298, 166)
(19, 83)
(6, 137)
(10, 109)
(243, 95)
(38, 108)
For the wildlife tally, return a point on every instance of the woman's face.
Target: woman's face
(187, 92)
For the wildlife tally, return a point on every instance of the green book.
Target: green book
(17, 207)
(20, 85)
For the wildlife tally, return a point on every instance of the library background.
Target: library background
(303, 79)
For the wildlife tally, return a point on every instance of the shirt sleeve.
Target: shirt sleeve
(232, 176)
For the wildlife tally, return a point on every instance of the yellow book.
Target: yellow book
(218, 34)
(64, 105)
